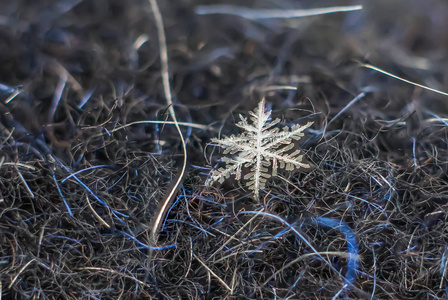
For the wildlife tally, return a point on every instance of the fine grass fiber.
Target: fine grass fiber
(109, 110)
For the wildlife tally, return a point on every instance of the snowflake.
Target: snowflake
(260, 146)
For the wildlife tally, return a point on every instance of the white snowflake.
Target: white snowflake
(260, 146)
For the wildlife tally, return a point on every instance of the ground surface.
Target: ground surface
(79, 190)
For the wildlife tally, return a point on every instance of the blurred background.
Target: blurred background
(80, 181)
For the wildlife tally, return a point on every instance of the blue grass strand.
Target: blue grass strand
(352, 264)
(282, 232)
(144, 245)
(87, 169)
(62, 196)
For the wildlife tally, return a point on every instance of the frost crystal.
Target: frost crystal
(260, 146)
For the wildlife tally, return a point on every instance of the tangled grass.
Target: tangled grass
(87, 152)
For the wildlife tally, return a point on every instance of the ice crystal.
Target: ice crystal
(259, 147)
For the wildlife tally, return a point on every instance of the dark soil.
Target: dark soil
(81, 182)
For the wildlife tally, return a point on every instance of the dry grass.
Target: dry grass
(88, 151)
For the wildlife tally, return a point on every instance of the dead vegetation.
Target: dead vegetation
(89, 150)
